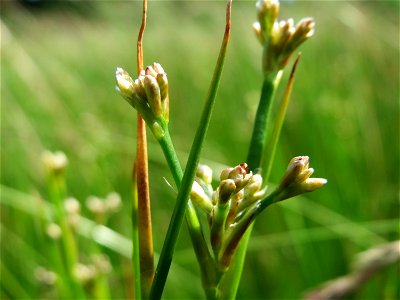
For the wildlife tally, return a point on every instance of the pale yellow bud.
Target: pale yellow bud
(200, 198)
(125, 83)
(153, 94)
(102, 263)
(204, 173)
(84, 273)
(54, 162)
(72, 206)
(95, 205)
(226, 188)
(113, 202)
(258, 32)
(54, 231)
(45, 276)
(225, 173)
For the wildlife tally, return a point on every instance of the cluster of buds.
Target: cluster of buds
(238, 190)
(241, 197)
(53, 231)
(45, 276)
(100, 208)
(148, 94)
(279, 38)
(54, 162)
(86, 273)
(296, 179)
(72, 208)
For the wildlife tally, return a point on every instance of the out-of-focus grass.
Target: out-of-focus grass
(57, 90)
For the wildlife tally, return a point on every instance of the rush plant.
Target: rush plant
(231, 206)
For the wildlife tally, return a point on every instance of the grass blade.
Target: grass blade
(188, 177)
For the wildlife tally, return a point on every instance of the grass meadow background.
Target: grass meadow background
(58, 61)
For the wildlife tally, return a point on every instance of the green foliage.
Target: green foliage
(57, 78)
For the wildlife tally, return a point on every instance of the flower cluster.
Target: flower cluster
(148, 94)
(241, 197)
(279, 38)
(297, 179)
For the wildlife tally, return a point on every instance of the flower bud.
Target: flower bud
(54, 231)
(72, 206)
(125, 83)
(254, 184)
(225, 174)
(267, 12)
(102, 263)
(153, 94)
(226, 188)
(45, 276)
(239, 175)
(200, 198)
(96, 205)
(112, 202)
(54, 162)
(204, 173)
(84, 273)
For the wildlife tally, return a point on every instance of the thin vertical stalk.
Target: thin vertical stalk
(261, 123)
(270, 147)
(135, 236)
(68, 249)
(190, 171)
(202, 252)
(143, 211)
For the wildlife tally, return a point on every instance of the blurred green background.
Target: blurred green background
(58, 61)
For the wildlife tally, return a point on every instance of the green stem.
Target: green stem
(188, 177)
(135, 236)
(69, 251)
(270, 147)
(199, 244)
(235, 233)
(218, 227)
(171, 157)
(261, 123)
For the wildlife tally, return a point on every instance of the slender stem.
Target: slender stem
(261, 123)
(139, 55)
(190, 171)
(218, 227)
(235, 233)
(135, 236)
(171, 157)
(270, 147)
(143, 212)
(69, 251)
(196, 234)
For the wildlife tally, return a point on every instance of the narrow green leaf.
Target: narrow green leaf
(188, 177)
